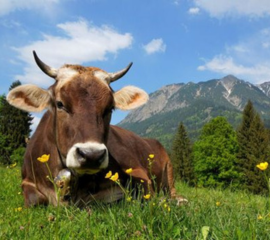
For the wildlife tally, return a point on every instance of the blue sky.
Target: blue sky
(169, 41)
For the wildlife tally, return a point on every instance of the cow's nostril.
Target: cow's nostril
(80, 152)
(96, 155)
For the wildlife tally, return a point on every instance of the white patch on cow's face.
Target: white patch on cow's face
(65, 74)
(75, 161)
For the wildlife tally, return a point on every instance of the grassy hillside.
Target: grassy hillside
(227, 215)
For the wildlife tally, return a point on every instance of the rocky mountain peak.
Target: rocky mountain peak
(157, 103)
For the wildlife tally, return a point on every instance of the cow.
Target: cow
(82, 146)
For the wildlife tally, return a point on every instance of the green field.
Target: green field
(210, 214)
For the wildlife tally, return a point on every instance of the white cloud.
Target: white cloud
(81, 43)
(8, 6)
(222, 64)
(156, 45)
(220, 8)
(194, 11)
(248, 59)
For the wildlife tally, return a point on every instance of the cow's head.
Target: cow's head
(81, 101)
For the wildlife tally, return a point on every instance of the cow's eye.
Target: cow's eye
(60, 105)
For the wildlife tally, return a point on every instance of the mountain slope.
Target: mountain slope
(195, 104)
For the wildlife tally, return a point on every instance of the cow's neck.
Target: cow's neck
(55, 132)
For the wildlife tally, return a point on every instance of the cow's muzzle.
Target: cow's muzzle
(87, 157)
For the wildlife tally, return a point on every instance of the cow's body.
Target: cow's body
(75, 131)
(126, 150)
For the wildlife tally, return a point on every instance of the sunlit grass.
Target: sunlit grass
(218, 214)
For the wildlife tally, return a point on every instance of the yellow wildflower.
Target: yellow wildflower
(262, 166)
(13, 165)
(169, 209)
(109, 174)
(19, 209)
(151, 156)
(128, 171)
(129, 199)
(44, 158)
(218, 204)
(260, 217)
(114, 177)
(147, 196)
(142, 181)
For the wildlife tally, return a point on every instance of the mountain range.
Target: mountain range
(195, 104)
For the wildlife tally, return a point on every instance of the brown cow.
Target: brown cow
(83, 147)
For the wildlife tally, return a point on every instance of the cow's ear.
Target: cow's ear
(29, 98)
(130, 97)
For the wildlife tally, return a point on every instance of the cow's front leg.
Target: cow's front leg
(32, 196)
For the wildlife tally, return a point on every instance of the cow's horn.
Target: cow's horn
(114, 76)
(45, 68)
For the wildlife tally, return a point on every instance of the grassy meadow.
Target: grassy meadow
(210, 214)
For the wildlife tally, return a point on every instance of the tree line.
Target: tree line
(223, 157)
(14, 131)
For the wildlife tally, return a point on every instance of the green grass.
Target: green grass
(235, 218)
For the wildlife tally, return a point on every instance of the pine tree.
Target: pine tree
(253, 141)
(181, 156)
(215, 155)
(14, 127)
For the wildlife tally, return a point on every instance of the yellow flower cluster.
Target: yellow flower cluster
(262, 166)
(114, 177)
(44, 158)
(19, 209)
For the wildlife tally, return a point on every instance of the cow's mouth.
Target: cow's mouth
(82, 171)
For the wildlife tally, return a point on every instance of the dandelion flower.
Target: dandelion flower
(147, 196)
(262, 166)
(44, 158)
(151, 156)
(218, 204)
(260, 217)
(109, 174)
(114, 177)
(142, 181)
(128, 171)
